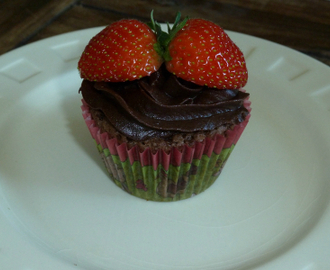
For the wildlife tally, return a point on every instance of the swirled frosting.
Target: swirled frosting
(163, 105)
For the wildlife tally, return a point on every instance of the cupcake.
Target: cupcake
(165, 109)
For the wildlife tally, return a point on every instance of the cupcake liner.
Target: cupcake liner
(160, 176)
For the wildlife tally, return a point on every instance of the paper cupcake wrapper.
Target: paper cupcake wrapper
(161, 176)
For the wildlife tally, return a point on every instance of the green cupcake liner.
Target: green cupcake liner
(175, 183)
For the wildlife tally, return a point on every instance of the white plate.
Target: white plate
(268, 210)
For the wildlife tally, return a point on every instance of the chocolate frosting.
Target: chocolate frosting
(162, 105)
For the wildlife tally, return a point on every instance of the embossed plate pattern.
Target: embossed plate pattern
(268, 210)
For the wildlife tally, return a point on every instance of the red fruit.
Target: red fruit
(122, 51)
(203, 53)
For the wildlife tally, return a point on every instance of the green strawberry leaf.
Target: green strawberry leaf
(164, 38)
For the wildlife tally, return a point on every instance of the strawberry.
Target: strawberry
(195, 50)
(202, 53)
(122, 51)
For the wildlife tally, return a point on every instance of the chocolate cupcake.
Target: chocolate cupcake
(164, 131)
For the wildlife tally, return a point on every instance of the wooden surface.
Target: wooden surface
(303, 25)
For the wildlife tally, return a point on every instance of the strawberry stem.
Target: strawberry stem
(164, 38)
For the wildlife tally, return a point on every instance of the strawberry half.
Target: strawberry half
(201, 52)
(122, 51)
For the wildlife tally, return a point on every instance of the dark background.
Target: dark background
(303, 25)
